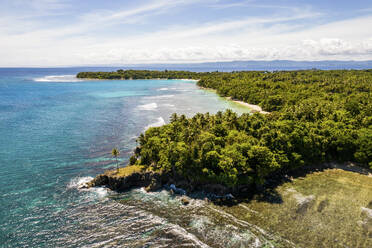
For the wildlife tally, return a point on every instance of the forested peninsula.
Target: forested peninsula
(315, 117)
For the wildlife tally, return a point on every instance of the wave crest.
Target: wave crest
(150, 106)
(159, 123)
(160, 96)
(79, 182)
(162, 89)
(58, 78)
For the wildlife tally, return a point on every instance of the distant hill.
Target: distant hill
(274, 65)
(251, 65)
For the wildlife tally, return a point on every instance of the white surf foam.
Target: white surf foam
(160, 97)
(159, 123)
(99, 191)
(165, 96)
(58, 78)
(79, 182)
(162, 89)
(168, 105)
(150, 106)
(193, 80)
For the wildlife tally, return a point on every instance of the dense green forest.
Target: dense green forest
(141, 74)
(316, 116)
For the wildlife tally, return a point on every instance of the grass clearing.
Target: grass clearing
(322, 209)
(125, 171)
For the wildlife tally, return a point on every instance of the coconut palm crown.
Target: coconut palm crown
(115, 152)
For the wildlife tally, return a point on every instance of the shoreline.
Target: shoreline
(130, 177)
(126, 79)
(185, 79)
(254, 108)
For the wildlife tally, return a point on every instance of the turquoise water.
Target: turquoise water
(57, 132)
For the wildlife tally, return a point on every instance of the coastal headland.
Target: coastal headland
(316, 117)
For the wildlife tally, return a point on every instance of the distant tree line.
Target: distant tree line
(140, 74)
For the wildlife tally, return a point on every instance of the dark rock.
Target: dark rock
(100, 180)
(154, 185)
(217, 189)
(366, 223)
(185, 201)
(153, 181)
(228, 196)
(182, 184)
(125, 183)
(322, 205)
(304, 203)
(245, 190)
(177, 190)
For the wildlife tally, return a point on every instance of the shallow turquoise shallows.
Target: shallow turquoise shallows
(57, 131)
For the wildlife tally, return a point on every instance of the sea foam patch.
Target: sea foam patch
(168, 105)
(79, 182)
(160, 96)
(162, 89)
(99, 192)
(58, 78)
(150, 106)
(160, 122)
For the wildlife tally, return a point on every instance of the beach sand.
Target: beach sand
(254, 108)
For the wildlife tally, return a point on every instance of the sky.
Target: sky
(119, 32)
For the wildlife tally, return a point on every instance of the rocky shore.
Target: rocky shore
(134, 177)
(153, 181)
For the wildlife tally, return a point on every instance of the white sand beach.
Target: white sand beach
(254, 108)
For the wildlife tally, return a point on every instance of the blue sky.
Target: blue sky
(92, 32)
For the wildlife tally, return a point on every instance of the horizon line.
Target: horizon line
(186, 63)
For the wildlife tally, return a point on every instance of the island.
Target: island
(316, 118)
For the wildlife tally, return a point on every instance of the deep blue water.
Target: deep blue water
(57, 131)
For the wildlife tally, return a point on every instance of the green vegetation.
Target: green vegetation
(140, 74)
(125, 171)
(316, 210)
(115, 152)
(316, 116)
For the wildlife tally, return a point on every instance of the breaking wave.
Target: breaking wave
(150, 106)
(58, 78)
(168, 105)
(159, 123)
(160, 97)
(79, 182)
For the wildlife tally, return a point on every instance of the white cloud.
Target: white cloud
(41, 4)
(287, 36)
(120, 16)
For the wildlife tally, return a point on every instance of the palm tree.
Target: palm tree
(115, 152)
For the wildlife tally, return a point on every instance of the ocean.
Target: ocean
(56, 132)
